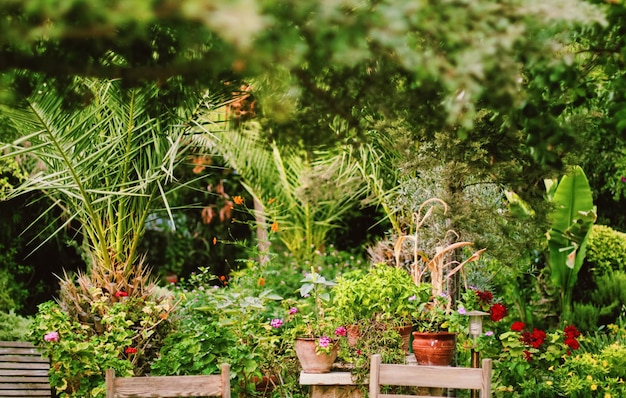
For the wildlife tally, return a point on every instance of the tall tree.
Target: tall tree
(436, 63)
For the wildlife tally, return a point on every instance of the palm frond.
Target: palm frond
(109, 162)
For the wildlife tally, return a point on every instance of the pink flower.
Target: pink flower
(51, 336)
(323, 342)
(293, 310)
(276, 323)
(341, 331)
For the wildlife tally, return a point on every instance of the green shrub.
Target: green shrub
(14, 327)
(604, 302)
(586, 316)
(606, 249)
(382, 293)
(123, 336)
(12, 292)
(229, 324)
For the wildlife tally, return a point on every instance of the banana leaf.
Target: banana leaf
(572, 218)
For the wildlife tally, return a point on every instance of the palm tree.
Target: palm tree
(107, 162)
(302, 195)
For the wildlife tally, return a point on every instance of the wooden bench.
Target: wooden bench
(23, 371)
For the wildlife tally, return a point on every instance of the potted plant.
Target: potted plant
(381, 294)
(315, 332)
(435, 268)
(434, 335)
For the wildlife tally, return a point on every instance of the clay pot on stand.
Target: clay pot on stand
(434, 348)
(310, 360)
(405, 333)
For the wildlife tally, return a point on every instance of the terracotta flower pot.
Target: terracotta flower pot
(310, 360)
(353, 334)
(436, 348)
(405, 333)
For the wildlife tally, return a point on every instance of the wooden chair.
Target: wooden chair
(428, 376)
(169, 386)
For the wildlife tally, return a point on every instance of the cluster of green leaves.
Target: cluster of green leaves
(381, 293)
(299, 196)
(106, 162)
(232, 323)
(598, 294)
(80, 358)
(13, 292)
(606, 249)
(14, 327)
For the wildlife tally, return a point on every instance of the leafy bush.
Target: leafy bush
(198, 345)
(12, 292)
(603, 303)
(123, 335)
(14, 327)
(606, 249)
(382, 293)
(228, 324)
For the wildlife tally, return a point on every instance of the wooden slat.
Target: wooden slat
(408, 396)
(166, 386)
(23, 371)
(29, 394)
(327, 379)
(22, 358)
(430, 376)
(24, 365)
(23, 379)
(20, 351)
(24, 386)
(169, 386)
(16, 344)
(20, 372)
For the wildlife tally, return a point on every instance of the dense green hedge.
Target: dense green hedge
(606, 249)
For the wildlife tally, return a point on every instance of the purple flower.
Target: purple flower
(623, 179)
(462, 311)
(323, 342)
(489, 333)
(276, 323)
(341, 331)
(293, 310)
(51, 336)
(413, 298)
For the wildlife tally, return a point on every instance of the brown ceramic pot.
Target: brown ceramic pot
(436, 348)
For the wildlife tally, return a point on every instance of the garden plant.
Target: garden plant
(299, 168)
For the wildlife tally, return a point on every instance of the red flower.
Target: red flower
(528, 355)
(534, 339)
(571, 332)
(518, 326)
(484, 297)
(572, 343)
(130, 350)
(120, 293)
(498, 311)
